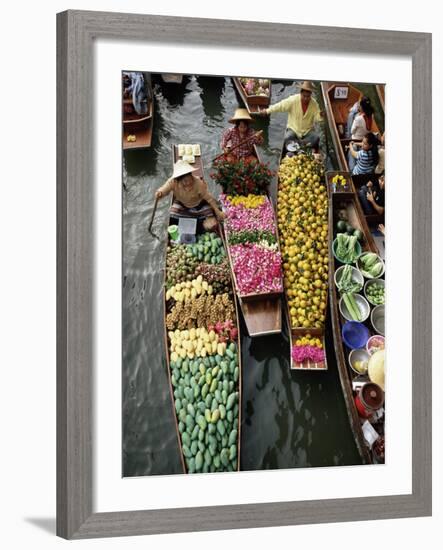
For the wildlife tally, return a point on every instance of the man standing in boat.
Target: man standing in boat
(192, 198)
(304, 112)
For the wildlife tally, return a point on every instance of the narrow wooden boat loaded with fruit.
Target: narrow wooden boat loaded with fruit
(302, 214)
(202, 342)
(255, 92)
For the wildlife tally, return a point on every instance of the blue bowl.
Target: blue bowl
(354, 334)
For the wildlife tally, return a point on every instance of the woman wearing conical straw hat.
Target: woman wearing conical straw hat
(192, 198)
(238, 133)
(303, 112)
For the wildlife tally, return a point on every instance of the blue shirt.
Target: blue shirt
(365, 162)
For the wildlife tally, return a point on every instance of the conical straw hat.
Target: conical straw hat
(240, 114)
(181, 167)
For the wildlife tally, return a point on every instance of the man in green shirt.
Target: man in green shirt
(303, 112)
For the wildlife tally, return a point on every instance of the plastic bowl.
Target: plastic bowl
(358, 252)
(354, 334)
(362, 305)
(356, 276)
(378, 319)
(378, 282)
(365, 273)
(375, 343)
(359, 355)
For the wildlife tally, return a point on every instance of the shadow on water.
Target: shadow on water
(290, 419)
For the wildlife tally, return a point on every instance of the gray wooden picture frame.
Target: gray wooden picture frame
(76, 32)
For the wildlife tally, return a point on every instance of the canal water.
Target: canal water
(290, 419)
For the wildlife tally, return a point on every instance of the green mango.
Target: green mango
(233, 437)
(191, 465)
(186, 440)
(201, 421)
(231, 401)
(224, 457)
(232, 452)
(186, 451)
(221, 427)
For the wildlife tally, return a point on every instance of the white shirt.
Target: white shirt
(358, 129)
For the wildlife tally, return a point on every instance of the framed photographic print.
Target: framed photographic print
(231, 272)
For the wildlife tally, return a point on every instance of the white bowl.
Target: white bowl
(356, 276)
(362, 305)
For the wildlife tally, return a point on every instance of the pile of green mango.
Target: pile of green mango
(209, 248)
(207, 407)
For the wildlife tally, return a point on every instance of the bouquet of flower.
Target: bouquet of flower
(242, 177)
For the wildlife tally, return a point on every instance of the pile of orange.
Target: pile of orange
(302, 216)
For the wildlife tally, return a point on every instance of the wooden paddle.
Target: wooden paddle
(238, 145)
(152, 219)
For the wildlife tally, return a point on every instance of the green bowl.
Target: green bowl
(358, 250)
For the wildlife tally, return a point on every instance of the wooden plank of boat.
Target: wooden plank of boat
(140, 126)
(349, 203)
(298, 332)
(200, 172)
(262, 312)
(171, 78)
(339, 98)
(381, 94)
(253, 103)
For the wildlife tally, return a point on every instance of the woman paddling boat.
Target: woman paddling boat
(240, 133)
(192, 198)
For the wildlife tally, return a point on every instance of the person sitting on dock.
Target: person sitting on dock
(191, 197)
(304, 112)
(372, 197)
(241, 132)
(367, 157)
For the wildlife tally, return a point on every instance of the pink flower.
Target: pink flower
(256, 269)
(241, 218)
(312, 353)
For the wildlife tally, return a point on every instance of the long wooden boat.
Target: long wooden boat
(262, 312)
(339, 97)
(253, 103)
(211, 368)
(135, 125)
(340, 204)
(294, 333)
